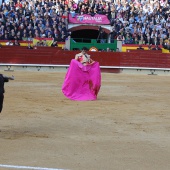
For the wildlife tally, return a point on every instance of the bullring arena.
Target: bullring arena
(127, 128)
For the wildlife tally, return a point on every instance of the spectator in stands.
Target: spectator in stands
(18, 5)
(121, 38)
(24, 38)
(149, 23)
(30, 38)
(6, 36)
(63, 36)
(128, 39)
(1, 36)
(72, 12)
(18, 37)
(57, 38)
(142, 40)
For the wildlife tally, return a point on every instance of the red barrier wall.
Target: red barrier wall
(52, 55)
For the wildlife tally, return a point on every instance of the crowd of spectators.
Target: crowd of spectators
(142, 22)
(132, 21)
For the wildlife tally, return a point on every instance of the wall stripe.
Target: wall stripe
(27, 167)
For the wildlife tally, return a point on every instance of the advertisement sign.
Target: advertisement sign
(88, 19)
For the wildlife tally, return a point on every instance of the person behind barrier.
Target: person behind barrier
(54, 44)
(10, 43)
(102, 36)
(3, 79)
(117, 50)
(29, 46)
(150, 47)
(140, 48)
(156, 48)
(83, 57)
(16, 43)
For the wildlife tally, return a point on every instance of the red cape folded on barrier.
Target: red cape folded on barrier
(82, 82)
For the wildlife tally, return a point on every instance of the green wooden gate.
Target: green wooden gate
(79, 43)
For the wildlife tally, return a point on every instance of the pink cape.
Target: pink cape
(82, 82)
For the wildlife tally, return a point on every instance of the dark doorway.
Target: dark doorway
(84, 35)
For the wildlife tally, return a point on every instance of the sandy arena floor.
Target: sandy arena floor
(127, 128)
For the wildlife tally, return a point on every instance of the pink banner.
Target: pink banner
(88, 19)
(82, 82)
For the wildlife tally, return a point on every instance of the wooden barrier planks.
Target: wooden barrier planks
(53, 55)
